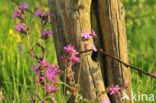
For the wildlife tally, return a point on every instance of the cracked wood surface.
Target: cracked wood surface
(71, 18)
(112, 22)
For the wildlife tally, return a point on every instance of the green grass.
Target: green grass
(142, 49)
(17, 81)
(142, 44)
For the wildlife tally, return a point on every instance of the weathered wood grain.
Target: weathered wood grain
(71, 18)
(112, 22)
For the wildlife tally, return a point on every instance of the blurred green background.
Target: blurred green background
(17, 81)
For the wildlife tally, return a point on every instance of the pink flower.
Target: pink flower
(72, 53)
(114, 90)
(105, 101)
(19, 27)
(51, 88)
(54, 101)
(51, 72)
(43, 63)
(23, 5)
(75, 59)
(86, 34)
(46, 34)
(16, 14)
(70, 49)
(93, 33)
(94, 48)
(39, 13)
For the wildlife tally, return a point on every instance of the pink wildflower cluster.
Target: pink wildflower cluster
(44, 20)
(44, 16)
(40, 14)
(115, 90)
(43, 63)
(70, 59)
(23, 6)
(52, 72)
(47, 72)
(72, 53)
(19, 27)
(46, 34)
(85, 36)
(19, 14)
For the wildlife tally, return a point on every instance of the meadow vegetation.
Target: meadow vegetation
(16, 79)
